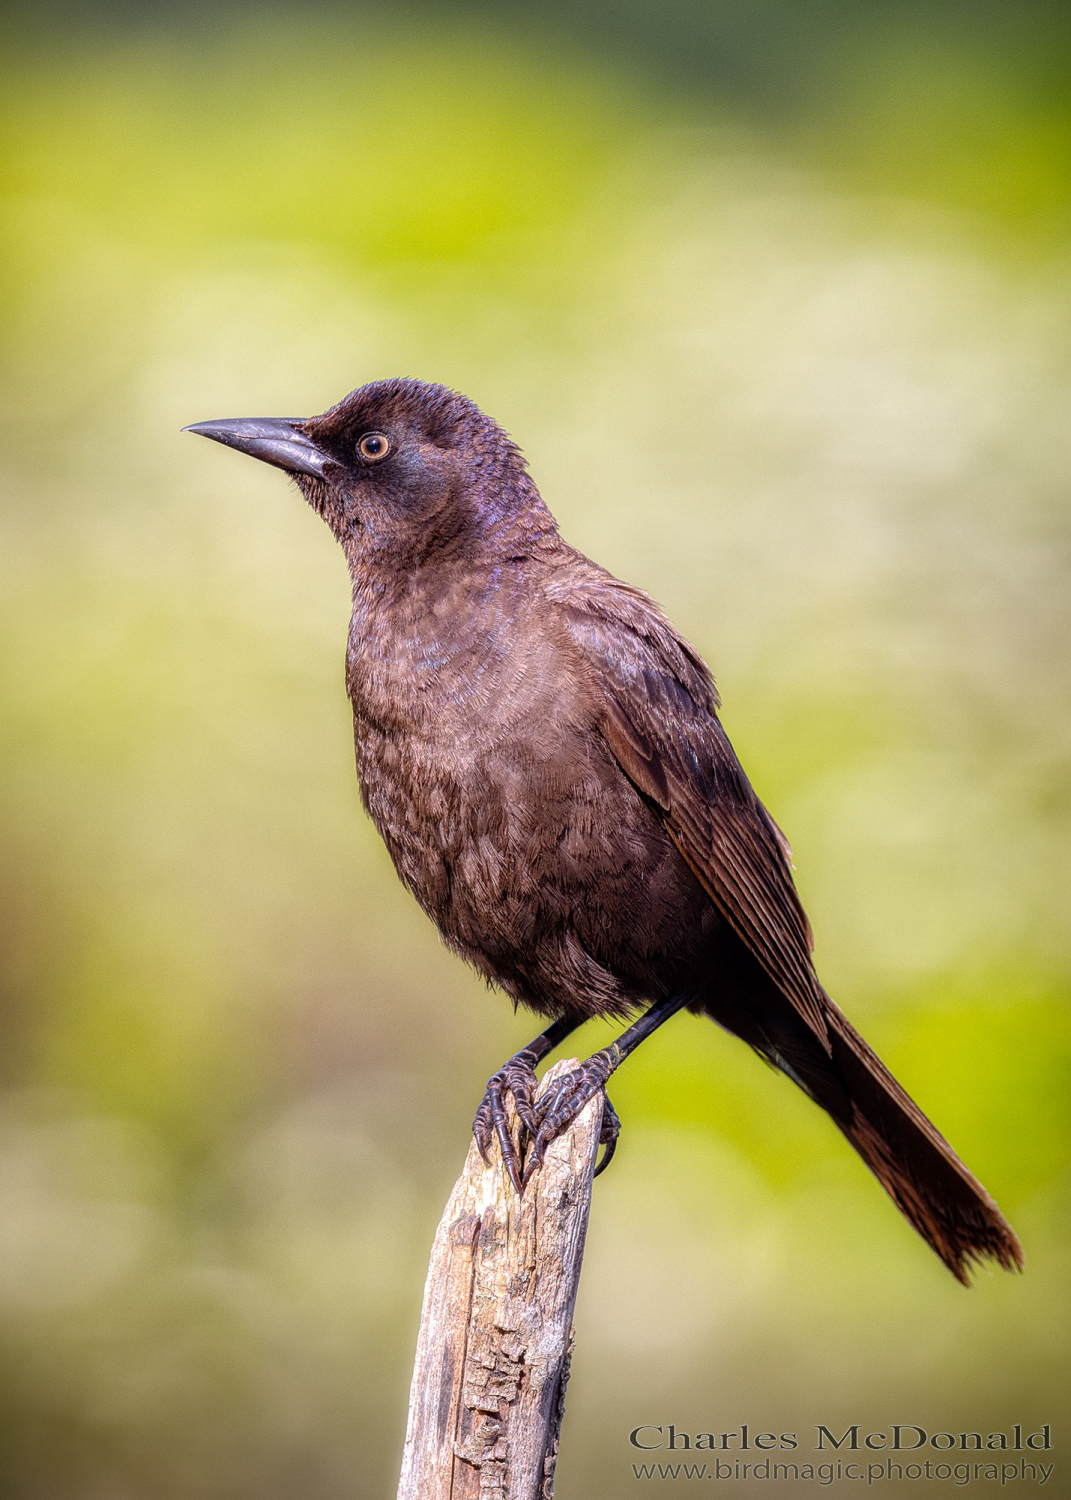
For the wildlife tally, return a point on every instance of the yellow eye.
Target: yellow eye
(373, 446)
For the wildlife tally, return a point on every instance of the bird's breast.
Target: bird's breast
(454, 667)
(505, 814)
(462, 701)
(474, 738)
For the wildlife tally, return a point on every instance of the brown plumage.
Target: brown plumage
(541, 752)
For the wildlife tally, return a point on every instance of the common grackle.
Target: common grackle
(541, 752)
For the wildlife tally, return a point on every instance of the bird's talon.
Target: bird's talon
(608, 1135)
(535, 1161)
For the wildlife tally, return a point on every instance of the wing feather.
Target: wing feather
(657, 712)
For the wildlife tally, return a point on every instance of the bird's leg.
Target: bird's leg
(561, 1104)
(516, 1077)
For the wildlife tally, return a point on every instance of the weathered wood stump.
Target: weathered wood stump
(492, 1359)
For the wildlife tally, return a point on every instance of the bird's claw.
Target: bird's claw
(518, 1079)
(561, 1104)
(608, 1134)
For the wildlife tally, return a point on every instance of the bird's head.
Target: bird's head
(402, 469)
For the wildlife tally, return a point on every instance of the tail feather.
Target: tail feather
(913, 1162)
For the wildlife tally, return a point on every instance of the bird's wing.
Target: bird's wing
(657, 711)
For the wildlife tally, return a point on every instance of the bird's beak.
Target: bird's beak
(276, 440)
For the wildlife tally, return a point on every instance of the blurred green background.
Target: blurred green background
(776, 297)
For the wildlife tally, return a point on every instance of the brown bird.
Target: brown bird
(541, 752)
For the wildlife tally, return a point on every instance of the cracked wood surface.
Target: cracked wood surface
(496, 1327)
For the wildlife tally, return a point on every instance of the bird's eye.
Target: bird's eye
(373, 446)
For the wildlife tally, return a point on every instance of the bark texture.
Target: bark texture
(492, 1359)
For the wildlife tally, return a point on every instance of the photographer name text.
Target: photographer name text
(898, 1437)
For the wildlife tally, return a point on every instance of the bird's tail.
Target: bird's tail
(910, 1158)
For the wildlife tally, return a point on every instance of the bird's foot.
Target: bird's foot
(564, 1100)
(518, 1078)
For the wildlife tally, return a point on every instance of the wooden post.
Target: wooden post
(492, 1359)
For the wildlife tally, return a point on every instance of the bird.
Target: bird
(541, 751)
